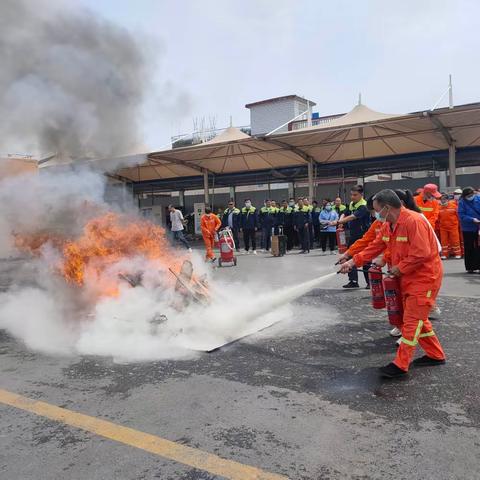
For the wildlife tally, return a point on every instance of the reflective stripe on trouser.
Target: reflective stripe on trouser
(450, 240)
(417, 329)
(209, 242)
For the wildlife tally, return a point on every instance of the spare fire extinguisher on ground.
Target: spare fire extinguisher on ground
(375, 276)
(341, 239)
(227, 247)
(394, 300)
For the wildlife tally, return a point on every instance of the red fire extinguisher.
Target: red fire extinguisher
(376, 287)
(393, 298)
(341, 239)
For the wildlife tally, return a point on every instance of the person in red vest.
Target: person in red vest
(413, 249)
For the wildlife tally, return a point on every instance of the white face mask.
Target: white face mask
(291, 204)
(379, 217)
(248, 204)
(456, 196)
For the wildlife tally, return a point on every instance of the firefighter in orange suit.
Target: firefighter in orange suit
(448, 221)
(209, 223)
(427, 202)
(415, 261)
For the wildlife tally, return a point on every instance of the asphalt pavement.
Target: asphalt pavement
(302, 400)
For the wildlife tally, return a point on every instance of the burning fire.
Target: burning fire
(107, 240)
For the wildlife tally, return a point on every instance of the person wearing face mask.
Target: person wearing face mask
(267, 220)
(408, 201)
(249, 224)
(469, 213)
(427, 202)
(448, 223)
(285, 220)
(306, 204)
(414, 260)
(209, 224)
(292, 204)
(302, 218)
(328, 231)
(231, 218)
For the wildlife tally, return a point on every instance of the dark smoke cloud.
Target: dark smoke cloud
(70, 83)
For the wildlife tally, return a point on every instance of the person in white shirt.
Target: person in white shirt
(176, 218)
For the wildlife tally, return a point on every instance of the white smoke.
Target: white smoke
(71, 83)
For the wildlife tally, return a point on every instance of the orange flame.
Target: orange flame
(107, 240)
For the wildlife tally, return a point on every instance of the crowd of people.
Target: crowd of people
(455, 219)
(305, 225)
(410, 234)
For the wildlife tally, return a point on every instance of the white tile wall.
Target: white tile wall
(266, 117)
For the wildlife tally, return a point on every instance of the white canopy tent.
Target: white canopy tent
(358, 135)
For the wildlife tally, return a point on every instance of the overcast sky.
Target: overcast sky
(211, 57)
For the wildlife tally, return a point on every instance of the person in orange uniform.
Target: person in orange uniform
(415, 261)
(448, 221)
(209, 223)
(427, 202)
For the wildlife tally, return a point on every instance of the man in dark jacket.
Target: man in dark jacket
(285, 220)
(302, 219)
(232, 218)
(357, 216)
(267, 220)
(249, 225)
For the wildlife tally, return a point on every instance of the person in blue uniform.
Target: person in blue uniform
(357, 216)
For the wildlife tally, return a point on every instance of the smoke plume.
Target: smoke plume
(70, 82)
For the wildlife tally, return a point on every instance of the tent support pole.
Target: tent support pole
(452, 165)
(310, 180)
(205, 187)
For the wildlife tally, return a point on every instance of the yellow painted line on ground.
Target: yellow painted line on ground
(159, 446)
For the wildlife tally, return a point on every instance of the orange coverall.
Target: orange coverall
(449, 236)
(209, 223)
(429, 208)
(413, 249)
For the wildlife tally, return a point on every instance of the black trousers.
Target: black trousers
(289, 232)
(311, 235)
(316, 233)
(304, 238)
(471, 251)
(249, 236)
(353, 274)
(327, 237)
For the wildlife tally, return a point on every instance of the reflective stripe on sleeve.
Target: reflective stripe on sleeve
(402, 239)
(426, 209)
(385, 239)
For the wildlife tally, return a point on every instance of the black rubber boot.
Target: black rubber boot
(351, 285)
(427, 362)
(392, 371)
